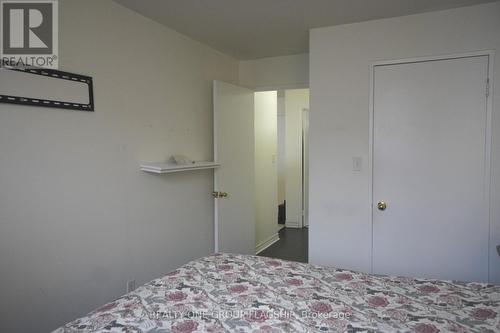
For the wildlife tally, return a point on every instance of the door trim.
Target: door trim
(305, 167)
(214, 144)
(488, 139)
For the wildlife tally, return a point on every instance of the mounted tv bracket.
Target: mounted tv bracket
(46, 88)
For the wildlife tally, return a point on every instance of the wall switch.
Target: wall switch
(130, 286)
(357, 163)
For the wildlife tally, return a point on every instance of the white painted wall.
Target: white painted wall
(287, 72)
(295, 101)
(266, 169)
(340, 57)
(77, 217)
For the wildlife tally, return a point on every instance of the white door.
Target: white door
(430, 167)
(234, 149)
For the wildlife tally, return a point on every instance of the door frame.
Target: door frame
(214, 141)
(305, 168)
(488, 144)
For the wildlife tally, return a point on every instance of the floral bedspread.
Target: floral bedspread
(237, 293)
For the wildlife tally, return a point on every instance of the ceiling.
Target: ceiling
(251, 29)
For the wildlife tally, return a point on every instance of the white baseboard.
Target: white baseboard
(268, 242)
(292, 224)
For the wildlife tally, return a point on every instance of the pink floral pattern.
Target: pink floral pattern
(238, 289)
(426, 328)
(236, 293)
(187, 326)
(176, 296)
(483, 314)
(377, 301)
(321, 307)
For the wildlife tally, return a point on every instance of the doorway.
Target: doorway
(291, 164)
(261, 144)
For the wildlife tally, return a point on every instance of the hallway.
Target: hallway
(293, 245)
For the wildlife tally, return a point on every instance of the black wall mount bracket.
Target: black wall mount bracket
(53, 74)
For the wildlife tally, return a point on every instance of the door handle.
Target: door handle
(381, 205)
(219, 195)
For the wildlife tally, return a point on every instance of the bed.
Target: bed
(238, 293)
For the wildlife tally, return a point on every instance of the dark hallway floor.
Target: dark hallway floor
(293, 245)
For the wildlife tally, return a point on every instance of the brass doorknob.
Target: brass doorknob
(219, 195)
(381, 205)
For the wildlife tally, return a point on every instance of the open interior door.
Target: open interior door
(234, 181)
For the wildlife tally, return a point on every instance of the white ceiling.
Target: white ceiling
(251, 29)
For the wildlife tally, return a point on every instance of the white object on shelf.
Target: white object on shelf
(172, 167)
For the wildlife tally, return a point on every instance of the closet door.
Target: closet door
(430, 169)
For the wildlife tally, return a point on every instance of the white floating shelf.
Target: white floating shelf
(161, 168)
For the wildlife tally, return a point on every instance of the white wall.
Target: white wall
(287, 72)
(77, 217)
(295, 101)
(266, 169)
(340, 223)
